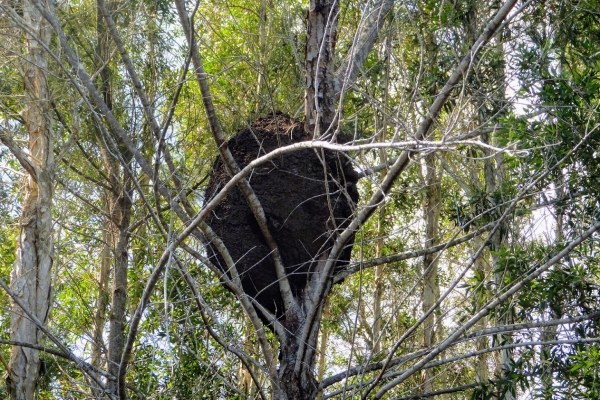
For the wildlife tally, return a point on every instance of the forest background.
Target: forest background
(473, 126)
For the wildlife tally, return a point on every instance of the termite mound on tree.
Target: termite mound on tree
(308, 197)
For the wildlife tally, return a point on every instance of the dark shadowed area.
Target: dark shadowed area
(308, 197)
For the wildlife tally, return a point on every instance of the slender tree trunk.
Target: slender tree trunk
(103, 296)
(31, 275)
(119, 212)
(245, 383)
(494, 178)
(483, 269)
(379, 244)
(323, 349)
(431, 290)
(262, 54)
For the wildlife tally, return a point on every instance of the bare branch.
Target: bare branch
(403, 160)
(361, 369)
(204, 309)
(83, 366)
(366, 36)
(19, 154)
(490, 306)
(229, 161)
(410, 254)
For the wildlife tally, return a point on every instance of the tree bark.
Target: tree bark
(320, 96)
(431, 290)
(118, 200)
(31, 275)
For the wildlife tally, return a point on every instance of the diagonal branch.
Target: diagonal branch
(361, 369)
(232, 167)
(19, 154)
(366, 36)
(204, 310)
(403, 160)
(488, 307)
(411, 254)
(85, 367)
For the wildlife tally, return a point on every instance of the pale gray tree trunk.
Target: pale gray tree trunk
(101, 301)
(494, 178)
(323, 349)
(482, 267)
(31, 274)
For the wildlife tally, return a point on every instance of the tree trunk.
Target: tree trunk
(119, 212)
(323, 349)
(31, 275)
(494, 178)
(483, 269)
(300, 383)
(431, 290)
(101, 299)
(320, 97)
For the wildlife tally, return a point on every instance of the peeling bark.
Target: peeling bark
(31, 274)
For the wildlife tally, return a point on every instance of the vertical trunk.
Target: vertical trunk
(379, 244)
(296, 371)
(494, 178)
(246, 385)
(320, 96)
(101, 300)
(296, 368)
(119, 212)
(31, 275)
(431, 290)
(297, 384)
(482, 343)
(323, 349)
(262, 51)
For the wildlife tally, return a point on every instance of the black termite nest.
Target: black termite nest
(308, 197)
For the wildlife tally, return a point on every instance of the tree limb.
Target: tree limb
(19, 154)
(403, 160)
(364, 40)
(230, 163)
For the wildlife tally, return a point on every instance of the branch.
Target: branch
(488, 307)
(50, 15)
(359, 266)
(361, 369)
(232, 167)
(403, 160)
(511, 206)
(19, 154)
(83, 366)
(204, 309)
(364, 40)
(440, 392)
(438, 363)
